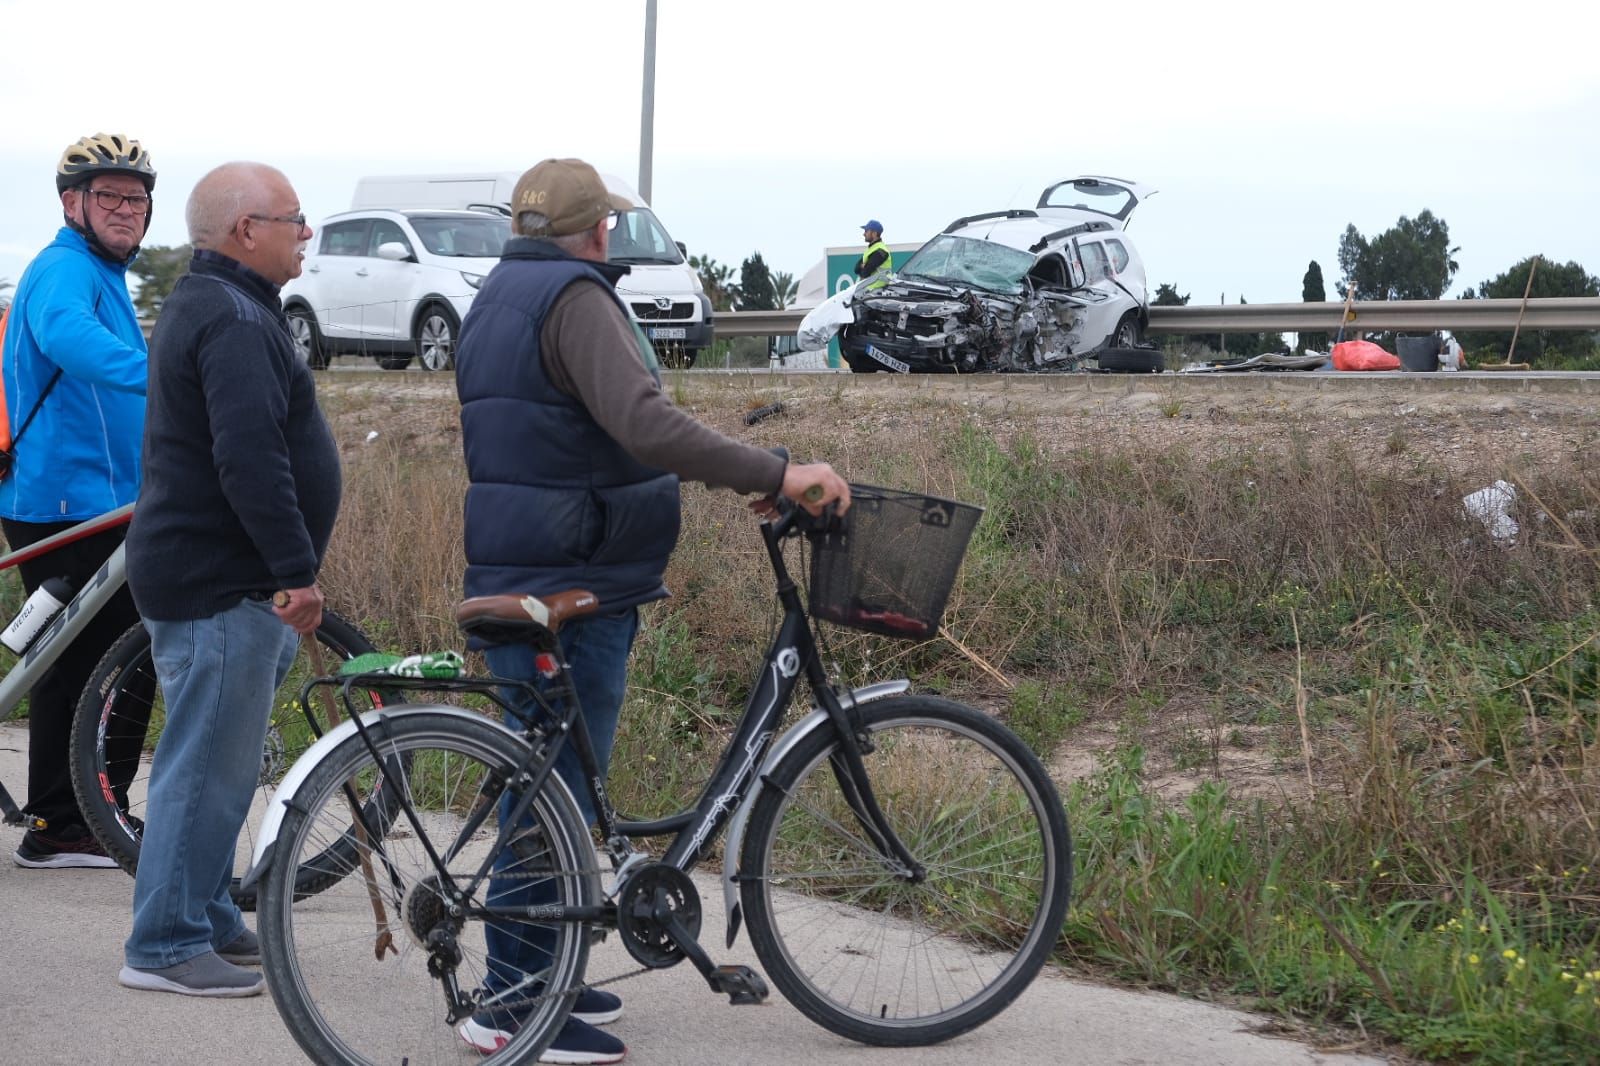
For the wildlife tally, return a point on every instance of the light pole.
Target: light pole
(648, 116)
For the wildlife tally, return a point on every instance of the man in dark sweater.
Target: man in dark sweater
(573, 458)
(241, 488)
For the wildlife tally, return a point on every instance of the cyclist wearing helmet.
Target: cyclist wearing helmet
(74, 358)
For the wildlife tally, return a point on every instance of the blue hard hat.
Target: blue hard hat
(873, 223)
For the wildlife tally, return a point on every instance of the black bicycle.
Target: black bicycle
(902, 861)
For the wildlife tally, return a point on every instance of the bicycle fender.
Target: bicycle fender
(313, 756)
(817, 719)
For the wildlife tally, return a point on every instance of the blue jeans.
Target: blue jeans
(596, 650)
(218, 676)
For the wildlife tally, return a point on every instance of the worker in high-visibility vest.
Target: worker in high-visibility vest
(876, 262)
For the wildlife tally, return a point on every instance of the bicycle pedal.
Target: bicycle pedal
(743, 985)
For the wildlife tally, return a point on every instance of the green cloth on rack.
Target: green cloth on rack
(439, 664)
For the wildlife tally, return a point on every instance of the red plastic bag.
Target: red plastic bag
(1363, 355)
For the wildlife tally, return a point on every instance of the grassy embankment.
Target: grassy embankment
(1414, 853)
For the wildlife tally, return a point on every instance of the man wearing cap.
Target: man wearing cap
(876, 262)
(573, 459)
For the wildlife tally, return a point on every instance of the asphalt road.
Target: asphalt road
(61, 935)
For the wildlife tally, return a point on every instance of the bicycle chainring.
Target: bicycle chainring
(640, 922)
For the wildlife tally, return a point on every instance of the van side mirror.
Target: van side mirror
(681, 249)
(394, 250)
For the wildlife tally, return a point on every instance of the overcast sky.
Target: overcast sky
(1267, 127)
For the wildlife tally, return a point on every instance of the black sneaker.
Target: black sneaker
(577, 1044)
(72, 848)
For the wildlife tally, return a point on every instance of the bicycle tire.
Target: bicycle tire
(973, 933)
(341, 1004)
(110, 770)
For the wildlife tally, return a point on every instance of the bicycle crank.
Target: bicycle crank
(658, 917)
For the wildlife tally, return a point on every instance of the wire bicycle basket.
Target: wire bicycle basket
(890, 569)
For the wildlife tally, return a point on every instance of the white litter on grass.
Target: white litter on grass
(372, 436)
(1492, 506)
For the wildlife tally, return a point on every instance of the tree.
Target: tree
(755, 290)
(1549, 280)
(158, 269)
(1167, 296)
(1312, 292)
(1409, 261)
(785, 288)
(6, 285)
(717, 280)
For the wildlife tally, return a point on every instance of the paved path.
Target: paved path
(61, 935)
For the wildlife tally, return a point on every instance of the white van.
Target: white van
(662, 291)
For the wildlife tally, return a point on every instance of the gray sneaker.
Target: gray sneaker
(203, 975)
(242, 950)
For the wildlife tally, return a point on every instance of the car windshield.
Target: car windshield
(638, 237)
(964, 261)
(462, 237)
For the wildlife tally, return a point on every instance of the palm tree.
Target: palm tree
(786, 288)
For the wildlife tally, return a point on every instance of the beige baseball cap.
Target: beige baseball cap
(568, 192)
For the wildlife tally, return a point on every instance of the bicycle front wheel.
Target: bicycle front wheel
(344, 997)
(870, 953)
(119, 721)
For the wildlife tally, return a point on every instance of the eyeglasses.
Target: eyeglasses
(110, 200)
(298, 221)
(611, 220)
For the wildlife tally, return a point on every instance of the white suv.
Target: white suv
(1058, 287)
(394, 285)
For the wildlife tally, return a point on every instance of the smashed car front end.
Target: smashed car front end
(947, 329)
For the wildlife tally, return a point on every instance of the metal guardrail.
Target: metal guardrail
(1415, 316)
(1405, 316)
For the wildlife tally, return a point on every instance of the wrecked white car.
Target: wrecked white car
(1058, 287)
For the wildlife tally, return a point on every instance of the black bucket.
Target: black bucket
(1418, 353)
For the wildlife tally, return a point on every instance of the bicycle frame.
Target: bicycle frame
(728, 794)
(66, 626)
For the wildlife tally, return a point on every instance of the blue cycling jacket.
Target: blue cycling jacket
(80, 456)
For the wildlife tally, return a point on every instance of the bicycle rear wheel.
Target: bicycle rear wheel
(878, 957)
(119, 721)
(345, 1005)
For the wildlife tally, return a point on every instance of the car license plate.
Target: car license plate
(888, 360)
(668, 333)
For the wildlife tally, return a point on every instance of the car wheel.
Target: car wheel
(307, 338)
(436, 338)
(1132, 360)
(1127, 334)
(394, 362)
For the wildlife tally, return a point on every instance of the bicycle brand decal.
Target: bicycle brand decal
(752, 751)
(724, 803)
(546, 912)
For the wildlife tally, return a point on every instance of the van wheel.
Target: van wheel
(436, 338)
(307, 338)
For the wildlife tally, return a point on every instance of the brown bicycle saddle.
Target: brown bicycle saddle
(513, 619)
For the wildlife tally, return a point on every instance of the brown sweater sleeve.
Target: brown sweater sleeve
(591, 353)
